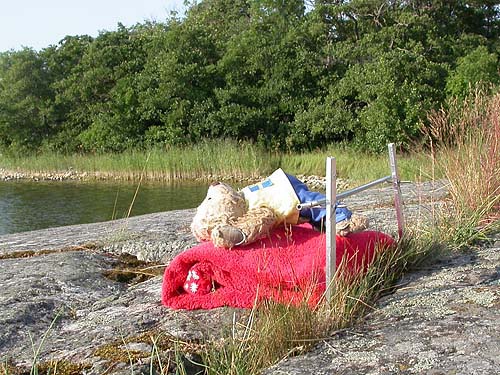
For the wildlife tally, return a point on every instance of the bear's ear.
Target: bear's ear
(212, 195)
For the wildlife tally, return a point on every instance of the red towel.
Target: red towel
(288, 267)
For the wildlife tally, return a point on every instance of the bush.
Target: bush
(477, 67)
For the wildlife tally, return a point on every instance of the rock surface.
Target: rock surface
(56, 291)
(442, 320)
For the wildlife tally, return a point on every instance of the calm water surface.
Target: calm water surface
(31, 205)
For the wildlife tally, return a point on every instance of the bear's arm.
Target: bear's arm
(255, 224)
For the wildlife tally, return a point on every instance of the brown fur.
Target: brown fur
(356, 223)
(224, 219)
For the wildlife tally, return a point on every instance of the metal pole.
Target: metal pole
(364, 187)
(348, 193)
(396, 183)
(331, 242)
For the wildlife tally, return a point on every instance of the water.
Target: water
(33, 205)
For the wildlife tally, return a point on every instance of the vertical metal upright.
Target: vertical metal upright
(331, 200)
(331, 243)
(396, 184)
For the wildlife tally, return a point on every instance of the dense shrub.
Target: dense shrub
(267, 71)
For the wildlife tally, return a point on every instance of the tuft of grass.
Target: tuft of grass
(35, 367)
(272, 331)
(465, 140)
(275, 331)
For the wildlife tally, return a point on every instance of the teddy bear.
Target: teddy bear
(231, 218)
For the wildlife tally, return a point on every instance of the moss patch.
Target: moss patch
(130, 270)
(63, 367)
(168, 351)
(119, 353)
(8, 368)
(34, 253)
(162, 342)
(59, 367)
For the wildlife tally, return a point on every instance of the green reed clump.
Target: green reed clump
(210, 159)
(356, 166)
(221, 158)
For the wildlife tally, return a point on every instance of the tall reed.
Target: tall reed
(354, 165)
(465, 141)
(207, 159)
(212, 159)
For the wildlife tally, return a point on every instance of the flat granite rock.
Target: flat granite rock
(88, 310)
(57, 293)
(442, 320)
(150, 237)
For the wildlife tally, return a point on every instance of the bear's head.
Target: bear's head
(222, 205)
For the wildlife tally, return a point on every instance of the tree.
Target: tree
(63, 61)
(362, 71)
(181, 75)
(98, 93)
(25, 97)
(270, 70)
(116, 122)
(477, 67)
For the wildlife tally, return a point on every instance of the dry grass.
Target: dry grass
(275, 331)
(465, 141)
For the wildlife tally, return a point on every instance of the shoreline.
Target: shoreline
(74, 175)
(312, 181)
(10, 175)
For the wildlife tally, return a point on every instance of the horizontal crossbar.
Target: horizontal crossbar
(348, 193)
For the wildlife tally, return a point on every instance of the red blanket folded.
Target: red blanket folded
(287, 267)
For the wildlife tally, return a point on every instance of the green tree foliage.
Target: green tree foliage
(25, 97)
(475, 68)
(268, 71)
(272, 71)
(101, 90)
(178, 79)
(63, 62)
